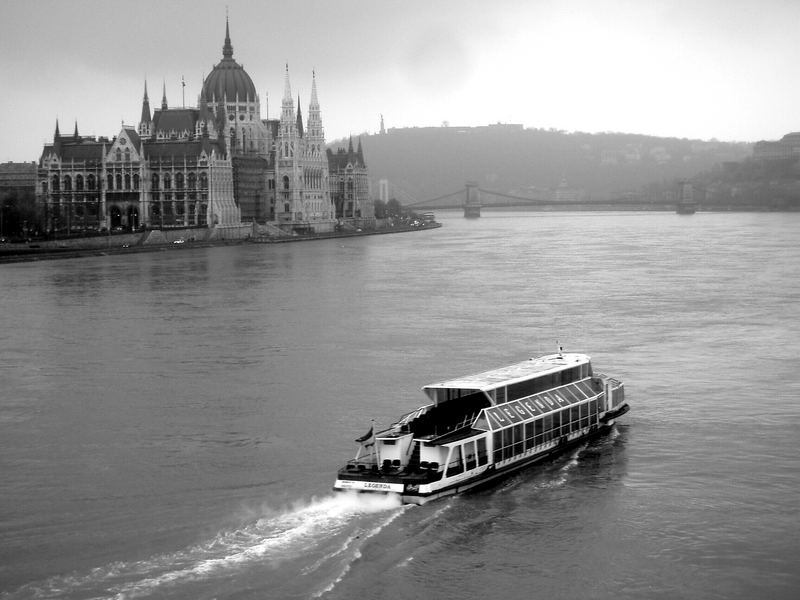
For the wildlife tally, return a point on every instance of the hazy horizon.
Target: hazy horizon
(668, 69)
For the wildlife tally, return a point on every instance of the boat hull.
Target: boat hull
(487, 476)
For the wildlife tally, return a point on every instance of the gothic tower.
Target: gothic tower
(146, 122)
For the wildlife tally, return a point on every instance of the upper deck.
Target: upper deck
(487, 381)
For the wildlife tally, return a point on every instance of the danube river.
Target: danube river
(171, 423)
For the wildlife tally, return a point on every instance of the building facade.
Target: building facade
(217, 164)
(350, 188)
(787, 148)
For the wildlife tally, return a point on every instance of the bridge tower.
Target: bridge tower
(472, 202)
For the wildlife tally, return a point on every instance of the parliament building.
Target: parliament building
(217, 165)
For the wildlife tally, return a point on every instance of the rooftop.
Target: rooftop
(512, 373)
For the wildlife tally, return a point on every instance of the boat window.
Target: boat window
(525, 388)
(548, 427)
(483, 458)
(537, 431)
(593, 410)
(469, 451)
(560, 425)
(585, 388)
(498, 446)
(518, 439)
(529, 435)
(389, 442)
(500, 396)
(508, 442)
(456, 465)
(571, 394)
(481, 422)
(575, 417)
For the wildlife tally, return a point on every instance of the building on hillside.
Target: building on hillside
(350, 185)
(788, 147)
(215, 165)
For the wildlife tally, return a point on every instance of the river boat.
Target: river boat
(482, 427)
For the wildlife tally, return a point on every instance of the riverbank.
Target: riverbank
(12, 253)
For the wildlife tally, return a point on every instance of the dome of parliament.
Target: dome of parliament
(228, 78)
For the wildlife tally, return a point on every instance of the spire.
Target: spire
(57, 134)
(75, 134)
(287, 88)
(164, 97)
(288, 116)
(145, 106)
(350, 146)
(314, 101)
(227, 49)
(299, 118)
(314, 122)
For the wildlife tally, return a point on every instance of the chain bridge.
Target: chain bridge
(472, 199)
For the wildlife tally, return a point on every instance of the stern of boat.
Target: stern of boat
(614, 394)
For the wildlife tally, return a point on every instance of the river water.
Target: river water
(171, 423)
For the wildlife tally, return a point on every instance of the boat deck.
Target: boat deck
(391, 474)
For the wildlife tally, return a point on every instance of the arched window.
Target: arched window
(136, 181)
(127, 181)
(154, 181)
(127, 154)
(110, 182)
(67, 183)
(79, 183)
(119, 181)
(167, 181)
(286, 207)
(285, 182)
(56, 183)
(203, 181)
(91, 183)
(192, 181)
(118, 155)
(179, 181)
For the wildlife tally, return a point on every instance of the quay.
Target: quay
(164, 241)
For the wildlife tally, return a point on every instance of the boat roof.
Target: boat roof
(521, 371)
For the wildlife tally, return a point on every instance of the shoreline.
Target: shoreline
(16, 253)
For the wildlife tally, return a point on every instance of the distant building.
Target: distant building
(217, 165)
(787, 147)
(383, 190)
(350, 185)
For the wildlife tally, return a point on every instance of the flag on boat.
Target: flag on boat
(367, 437)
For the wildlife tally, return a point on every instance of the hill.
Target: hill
(428, 162)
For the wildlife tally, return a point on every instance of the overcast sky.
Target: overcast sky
(726, 69)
